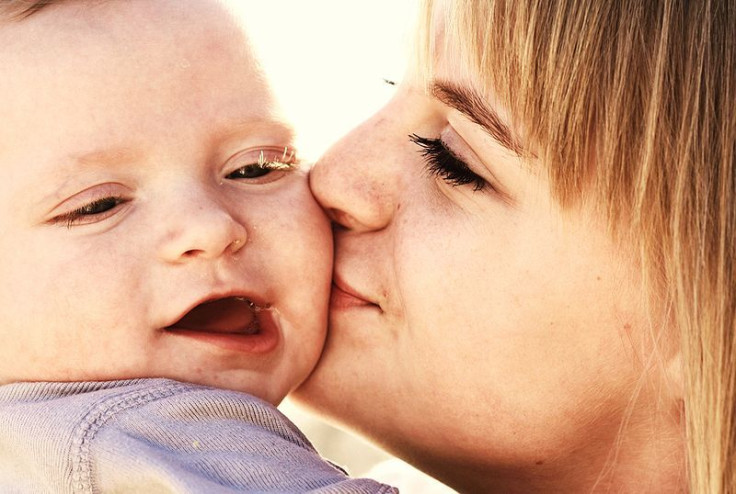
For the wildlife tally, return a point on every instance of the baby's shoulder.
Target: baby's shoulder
(143, 434)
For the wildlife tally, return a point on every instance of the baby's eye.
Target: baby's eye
(260, 166)
(254, 170)
(99, 206)
(90, 213)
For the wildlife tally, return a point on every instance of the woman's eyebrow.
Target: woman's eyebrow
(472, 105)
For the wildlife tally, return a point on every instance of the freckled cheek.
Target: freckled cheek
(432, 272)
(450, 275)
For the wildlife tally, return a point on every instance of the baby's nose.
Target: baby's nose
(201, 228)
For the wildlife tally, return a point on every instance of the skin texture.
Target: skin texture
(156, 103)
(486, 336)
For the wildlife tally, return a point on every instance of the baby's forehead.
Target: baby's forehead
(119, 77)
(105, 21)
(143, 40)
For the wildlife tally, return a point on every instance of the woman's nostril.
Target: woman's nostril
(329, 212)
(342, 219)
(334, 214)
(337, 227)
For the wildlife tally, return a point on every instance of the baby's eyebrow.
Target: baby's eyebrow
(109, 156)
(281, 128)
(471, 104)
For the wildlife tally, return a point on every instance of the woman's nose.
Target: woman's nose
(201, 227)
(356, 181)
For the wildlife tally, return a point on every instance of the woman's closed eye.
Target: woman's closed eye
(443, 163)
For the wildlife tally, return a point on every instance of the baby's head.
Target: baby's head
(153, 218)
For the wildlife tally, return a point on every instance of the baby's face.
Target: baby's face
(153, 221)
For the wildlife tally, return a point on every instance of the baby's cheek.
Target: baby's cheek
(313, 238)
(307, 278)
(315, 232)
(294, 239)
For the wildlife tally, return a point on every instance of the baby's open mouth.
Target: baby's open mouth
(231, 315)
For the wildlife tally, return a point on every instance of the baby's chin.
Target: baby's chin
(236, 344)
(263, 383)
(270, 381)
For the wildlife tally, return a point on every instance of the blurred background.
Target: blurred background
(329, 61)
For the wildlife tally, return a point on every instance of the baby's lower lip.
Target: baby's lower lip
(262, 342)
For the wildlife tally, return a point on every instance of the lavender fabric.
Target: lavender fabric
(156, 436)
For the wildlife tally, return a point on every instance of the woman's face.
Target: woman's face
(473, 322)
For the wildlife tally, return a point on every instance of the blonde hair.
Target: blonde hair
(632, 105)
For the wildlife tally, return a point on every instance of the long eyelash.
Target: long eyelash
(287, 161)
(444, 164)
(71, 218)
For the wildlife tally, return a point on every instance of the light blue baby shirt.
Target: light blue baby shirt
(156, 436)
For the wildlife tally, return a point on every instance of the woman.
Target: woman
(534, 261)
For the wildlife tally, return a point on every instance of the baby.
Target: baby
(159, 239)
